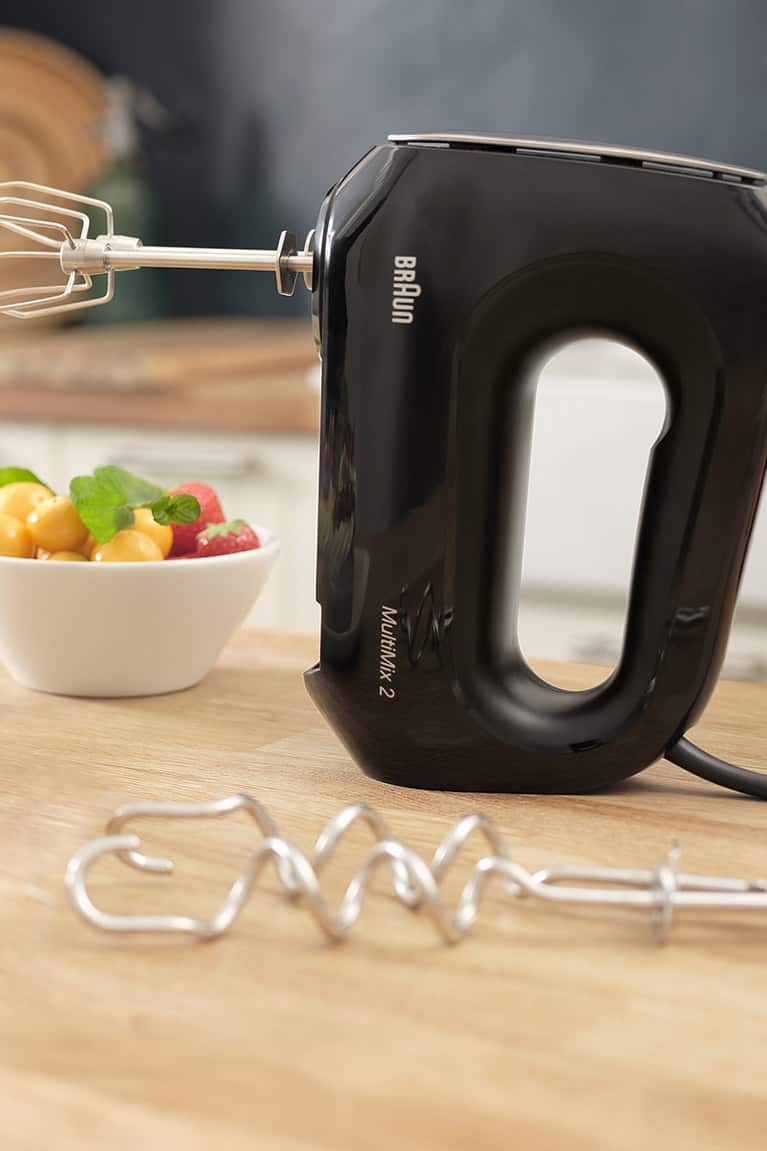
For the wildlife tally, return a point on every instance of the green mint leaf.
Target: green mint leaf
(160, 510)
(124, 488)
(18, 476)
(99, 509)
(123, 518)
(107, 500)
(184, 509)
(180, 509)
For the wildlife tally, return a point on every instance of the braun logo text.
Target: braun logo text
(405, 291)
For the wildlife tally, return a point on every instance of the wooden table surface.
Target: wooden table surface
(206, 374)
(545, 1029)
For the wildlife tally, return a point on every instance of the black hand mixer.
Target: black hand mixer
(444, 272)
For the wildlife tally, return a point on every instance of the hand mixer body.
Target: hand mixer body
(445, 276)
(444, 272)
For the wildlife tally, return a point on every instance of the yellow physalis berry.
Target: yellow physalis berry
(19, 499)
(161, 534)
(15, 540)
(56, 526)
(128, 546)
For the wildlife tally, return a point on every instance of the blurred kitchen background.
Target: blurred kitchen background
(220, 122)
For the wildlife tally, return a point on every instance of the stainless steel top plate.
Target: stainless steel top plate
(580, 150)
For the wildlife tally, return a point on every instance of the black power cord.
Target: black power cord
(701, 763)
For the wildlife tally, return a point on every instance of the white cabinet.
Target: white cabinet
(266, 479)
(30, 446)
(599, 409)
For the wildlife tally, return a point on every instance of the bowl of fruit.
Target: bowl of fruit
(119, 587)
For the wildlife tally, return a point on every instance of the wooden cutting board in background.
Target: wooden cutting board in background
(51, 105)
(153, 356)
(238, 374)
(51, 109)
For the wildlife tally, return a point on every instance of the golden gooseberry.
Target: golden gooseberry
(55, 525)
(162, 534)
(19, 499)
(15, 540)
(128, 546)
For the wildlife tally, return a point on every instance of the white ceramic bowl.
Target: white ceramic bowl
(125, 629)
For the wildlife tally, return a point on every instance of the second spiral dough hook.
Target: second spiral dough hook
(659, 891)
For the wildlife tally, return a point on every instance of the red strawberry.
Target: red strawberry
(227, 538)
(211, 512)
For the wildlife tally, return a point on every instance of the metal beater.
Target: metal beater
(58, 224)
(416, 882)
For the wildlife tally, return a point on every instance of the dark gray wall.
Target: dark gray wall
(285, 94)
(327, 79)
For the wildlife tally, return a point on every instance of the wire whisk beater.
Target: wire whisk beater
(55, 227)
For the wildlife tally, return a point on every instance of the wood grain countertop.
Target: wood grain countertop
(216, 374)
(546, 1029)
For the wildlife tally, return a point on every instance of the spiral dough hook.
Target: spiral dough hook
(416, 883)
